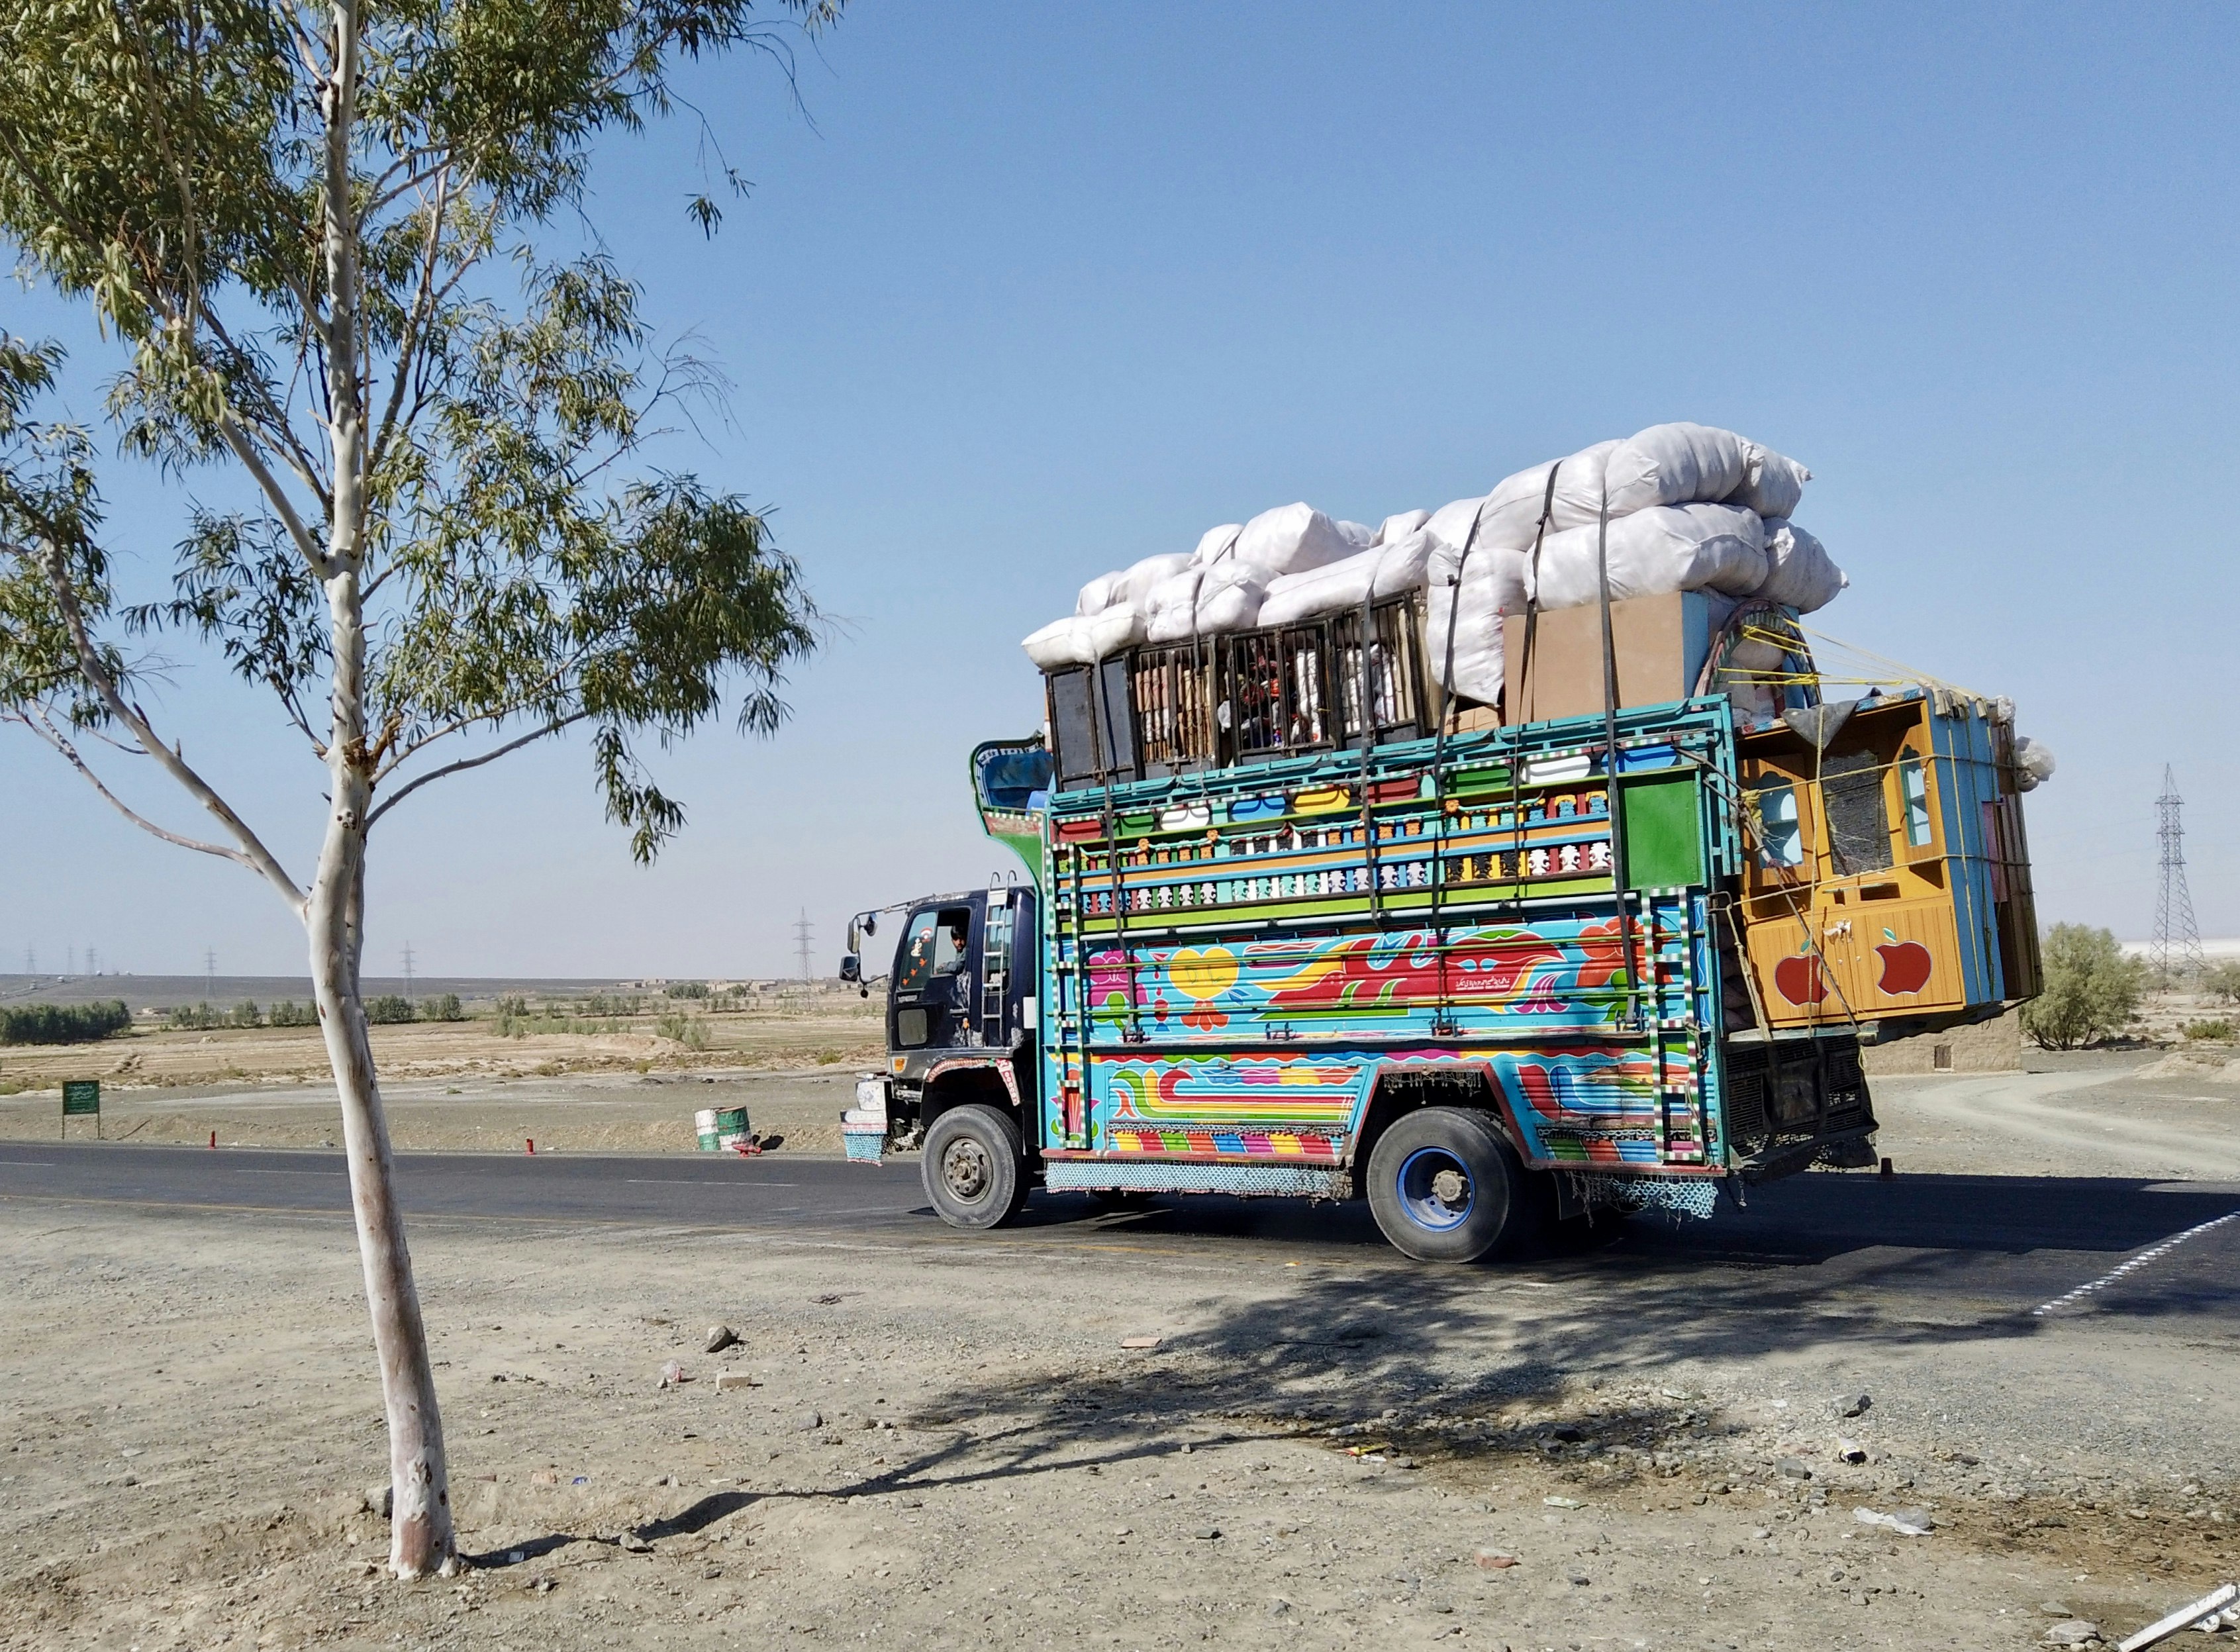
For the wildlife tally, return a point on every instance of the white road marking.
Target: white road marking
(36, 1164)
(700, 1180)
(2154, 1253)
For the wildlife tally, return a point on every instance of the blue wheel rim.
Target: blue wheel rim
(1417, 1183)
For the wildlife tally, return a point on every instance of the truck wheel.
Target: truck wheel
(972, 1168)
(1443, 1183)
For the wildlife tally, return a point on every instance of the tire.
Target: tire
(972, 1168)
(1445, 1185)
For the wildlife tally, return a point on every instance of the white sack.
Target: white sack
(1799, 573)
(1231, 605)
(1217, 543)
(1083, 639)
(1675, 464)
(1512, 510)
(1492, 585)
(1771, 484)
(1359, 535)
(1380, 571)
(1394, 529)
(1099, 594)
(2033, 762)
(1665, 548)
(1291, 539)
(1170, 607)
(1142, 576)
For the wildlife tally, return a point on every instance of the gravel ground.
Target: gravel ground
(948, 1445)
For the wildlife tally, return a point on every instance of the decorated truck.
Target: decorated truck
(1291, 924)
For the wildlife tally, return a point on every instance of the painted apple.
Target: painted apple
(1799, 979)
(1907, 965)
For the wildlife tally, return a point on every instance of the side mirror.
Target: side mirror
(851, 967)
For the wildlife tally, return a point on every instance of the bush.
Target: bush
(2092, 988)
(245, 1013)
(63, 1023)
(2214, 1029)
(443, 1008)
(687, 988)
(195, 1018)
(2221, 980)
(388, 1008)
(289, 1013)
(688, 1030)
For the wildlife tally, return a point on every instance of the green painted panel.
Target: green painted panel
(1664, 832)
(81, 1095)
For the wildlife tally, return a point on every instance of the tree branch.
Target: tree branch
(39, 724)
(553, 726)
(257, 857)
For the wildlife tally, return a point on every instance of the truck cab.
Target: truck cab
(961, 1008)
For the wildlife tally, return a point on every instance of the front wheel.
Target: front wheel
(972, 1168)
(1443, 1184)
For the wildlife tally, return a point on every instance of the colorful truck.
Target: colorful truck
(1291, 926)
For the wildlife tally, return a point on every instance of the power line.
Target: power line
(801, 932)
(2175, 951)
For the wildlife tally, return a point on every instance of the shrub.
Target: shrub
(289, 1013)
(687, 988)
(2092, 988)
(443, 1008)
(2221, 980)
(245, 1013)
(2216, 1029)
(195, 1018)
(688, 1030)
(63, 1023)
(388, 1008)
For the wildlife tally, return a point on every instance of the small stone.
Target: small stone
(672, 1376)
(1403, 1462)
(1568, 1433)
(1579, 1579)
(1794, 1469)
(1671, 1393)
(1207, 1533)
(719, 1338)
(1563, 1503)
(726, 1381)
(1186, 1447)
(1140, 1342)
(1914, 1519)
(2074, 1631)
(1494, 1560)
(380, 1499)
(2055, 1609)
(808, 1422)
(1853, 1405)
(1279, 1609)
(1850, 1451)
(1760, 1532)
(543, 1477)
(633, 1543)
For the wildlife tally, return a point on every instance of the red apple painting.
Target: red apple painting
(1799, 979)
(1907, 965)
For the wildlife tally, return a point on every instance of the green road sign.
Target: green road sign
(81, 1095)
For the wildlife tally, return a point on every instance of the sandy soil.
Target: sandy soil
(949, 1446)
(461, 1086)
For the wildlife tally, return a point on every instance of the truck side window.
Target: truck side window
(950, 938)
(1913, 784)
(916, 965)
(1782, 839)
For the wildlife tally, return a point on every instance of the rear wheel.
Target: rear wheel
(1445, 1184)
(972, 1169)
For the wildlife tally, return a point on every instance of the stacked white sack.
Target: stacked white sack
(1688, 507)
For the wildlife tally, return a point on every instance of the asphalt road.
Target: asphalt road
(1971, 1246)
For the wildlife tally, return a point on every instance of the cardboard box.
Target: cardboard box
(1661, 644)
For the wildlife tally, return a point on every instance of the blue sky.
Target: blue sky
(1036, 290)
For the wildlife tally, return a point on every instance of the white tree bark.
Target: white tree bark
(421, 1537)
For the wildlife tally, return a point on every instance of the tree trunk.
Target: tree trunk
(421, 1537)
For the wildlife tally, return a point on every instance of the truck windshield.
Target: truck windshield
(933, 945)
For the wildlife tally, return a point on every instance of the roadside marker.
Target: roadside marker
(532, 1146)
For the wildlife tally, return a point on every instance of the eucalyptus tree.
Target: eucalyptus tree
(341, 252)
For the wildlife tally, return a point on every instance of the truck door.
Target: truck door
(936, 978)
